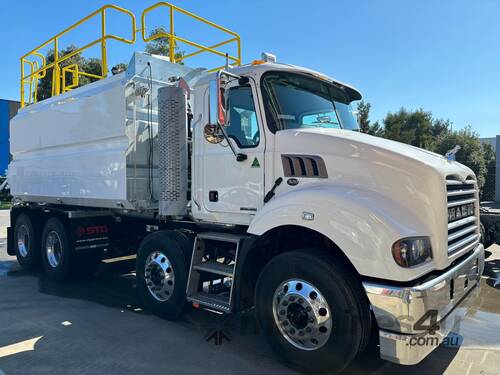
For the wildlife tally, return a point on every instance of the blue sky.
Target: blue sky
(443, 56)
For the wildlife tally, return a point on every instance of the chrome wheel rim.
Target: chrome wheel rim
(159, 276)
(53, 249)
(302, 314)
(23, 241)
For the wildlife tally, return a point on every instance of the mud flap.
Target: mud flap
(90, 234)
(10, 245)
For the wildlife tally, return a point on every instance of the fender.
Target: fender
(362, 223)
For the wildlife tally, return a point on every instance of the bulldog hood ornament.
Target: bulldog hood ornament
(450, 155)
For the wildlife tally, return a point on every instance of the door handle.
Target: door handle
(213, 196)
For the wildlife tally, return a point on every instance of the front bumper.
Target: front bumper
(404, 314)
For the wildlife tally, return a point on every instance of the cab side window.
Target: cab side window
(243, 127)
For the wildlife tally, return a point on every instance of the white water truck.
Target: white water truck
(249, 188)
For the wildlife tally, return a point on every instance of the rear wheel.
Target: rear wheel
(56, 251)
(59, 257)
(161, 270)
(26, 244)
(312, 311)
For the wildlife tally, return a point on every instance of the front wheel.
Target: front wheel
(312, 311)
(161, 270)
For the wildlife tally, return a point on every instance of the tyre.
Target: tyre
(162, 270)
(485, 238)
(312, 311)
(60, 260)
(26, 242)
(56, 250)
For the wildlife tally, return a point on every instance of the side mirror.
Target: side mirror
(217, 112)
(218, 119)
(218, 103)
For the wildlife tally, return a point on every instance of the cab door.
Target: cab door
(231, 186)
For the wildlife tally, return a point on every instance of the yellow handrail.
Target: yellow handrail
(37, 73)
(200, 48)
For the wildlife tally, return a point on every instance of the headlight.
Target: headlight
(409, 252)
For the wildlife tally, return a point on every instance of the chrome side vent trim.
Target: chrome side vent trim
(463, 223)
(304, 166)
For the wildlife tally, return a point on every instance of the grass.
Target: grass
(4, 205)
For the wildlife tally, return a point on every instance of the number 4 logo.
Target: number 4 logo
(432, 327)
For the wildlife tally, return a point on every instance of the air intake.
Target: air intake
(173, 154)
(304, 166)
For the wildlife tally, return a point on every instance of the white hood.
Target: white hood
(360, 145)
(404, 178)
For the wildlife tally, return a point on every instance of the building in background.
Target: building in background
(8, 109)
(495, 143)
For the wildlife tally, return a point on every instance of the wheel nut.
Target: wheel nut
(282, 312)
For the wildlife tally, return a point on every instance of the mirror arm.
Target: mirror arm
(220, 73)
(239, 157)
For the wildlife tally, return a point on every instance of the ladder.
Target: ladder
(212, 271)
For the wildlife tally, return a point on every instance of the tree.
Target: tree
(92, 66)
(471, 153)
(440, 127)
(363, 116)
(419, 128)
(158, 46)
(161, 46)
(411, 127)
(488, 192)
(364, 120)
(376, 129)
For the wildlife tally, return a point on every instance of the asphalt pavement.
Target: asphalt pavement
(96, 326)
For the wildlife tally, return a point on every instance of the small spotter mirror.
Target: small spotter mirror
(213, 134)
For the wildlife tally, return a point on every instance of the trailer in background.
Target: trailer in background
(490, 223)
(490, 211)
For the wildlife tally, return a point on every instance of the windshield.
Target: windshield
(295, 101)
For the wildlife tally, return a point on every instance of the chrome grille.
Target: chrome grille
(463, 227)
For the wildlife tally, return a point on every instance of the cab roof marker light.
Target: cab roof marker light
(268, 57)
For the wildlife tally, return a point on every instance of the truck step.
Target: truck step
(215, 302)
(222, 237)
(215, 255)
(216, 267)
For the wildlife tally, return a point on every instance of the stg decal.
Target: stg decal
(92, 230)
